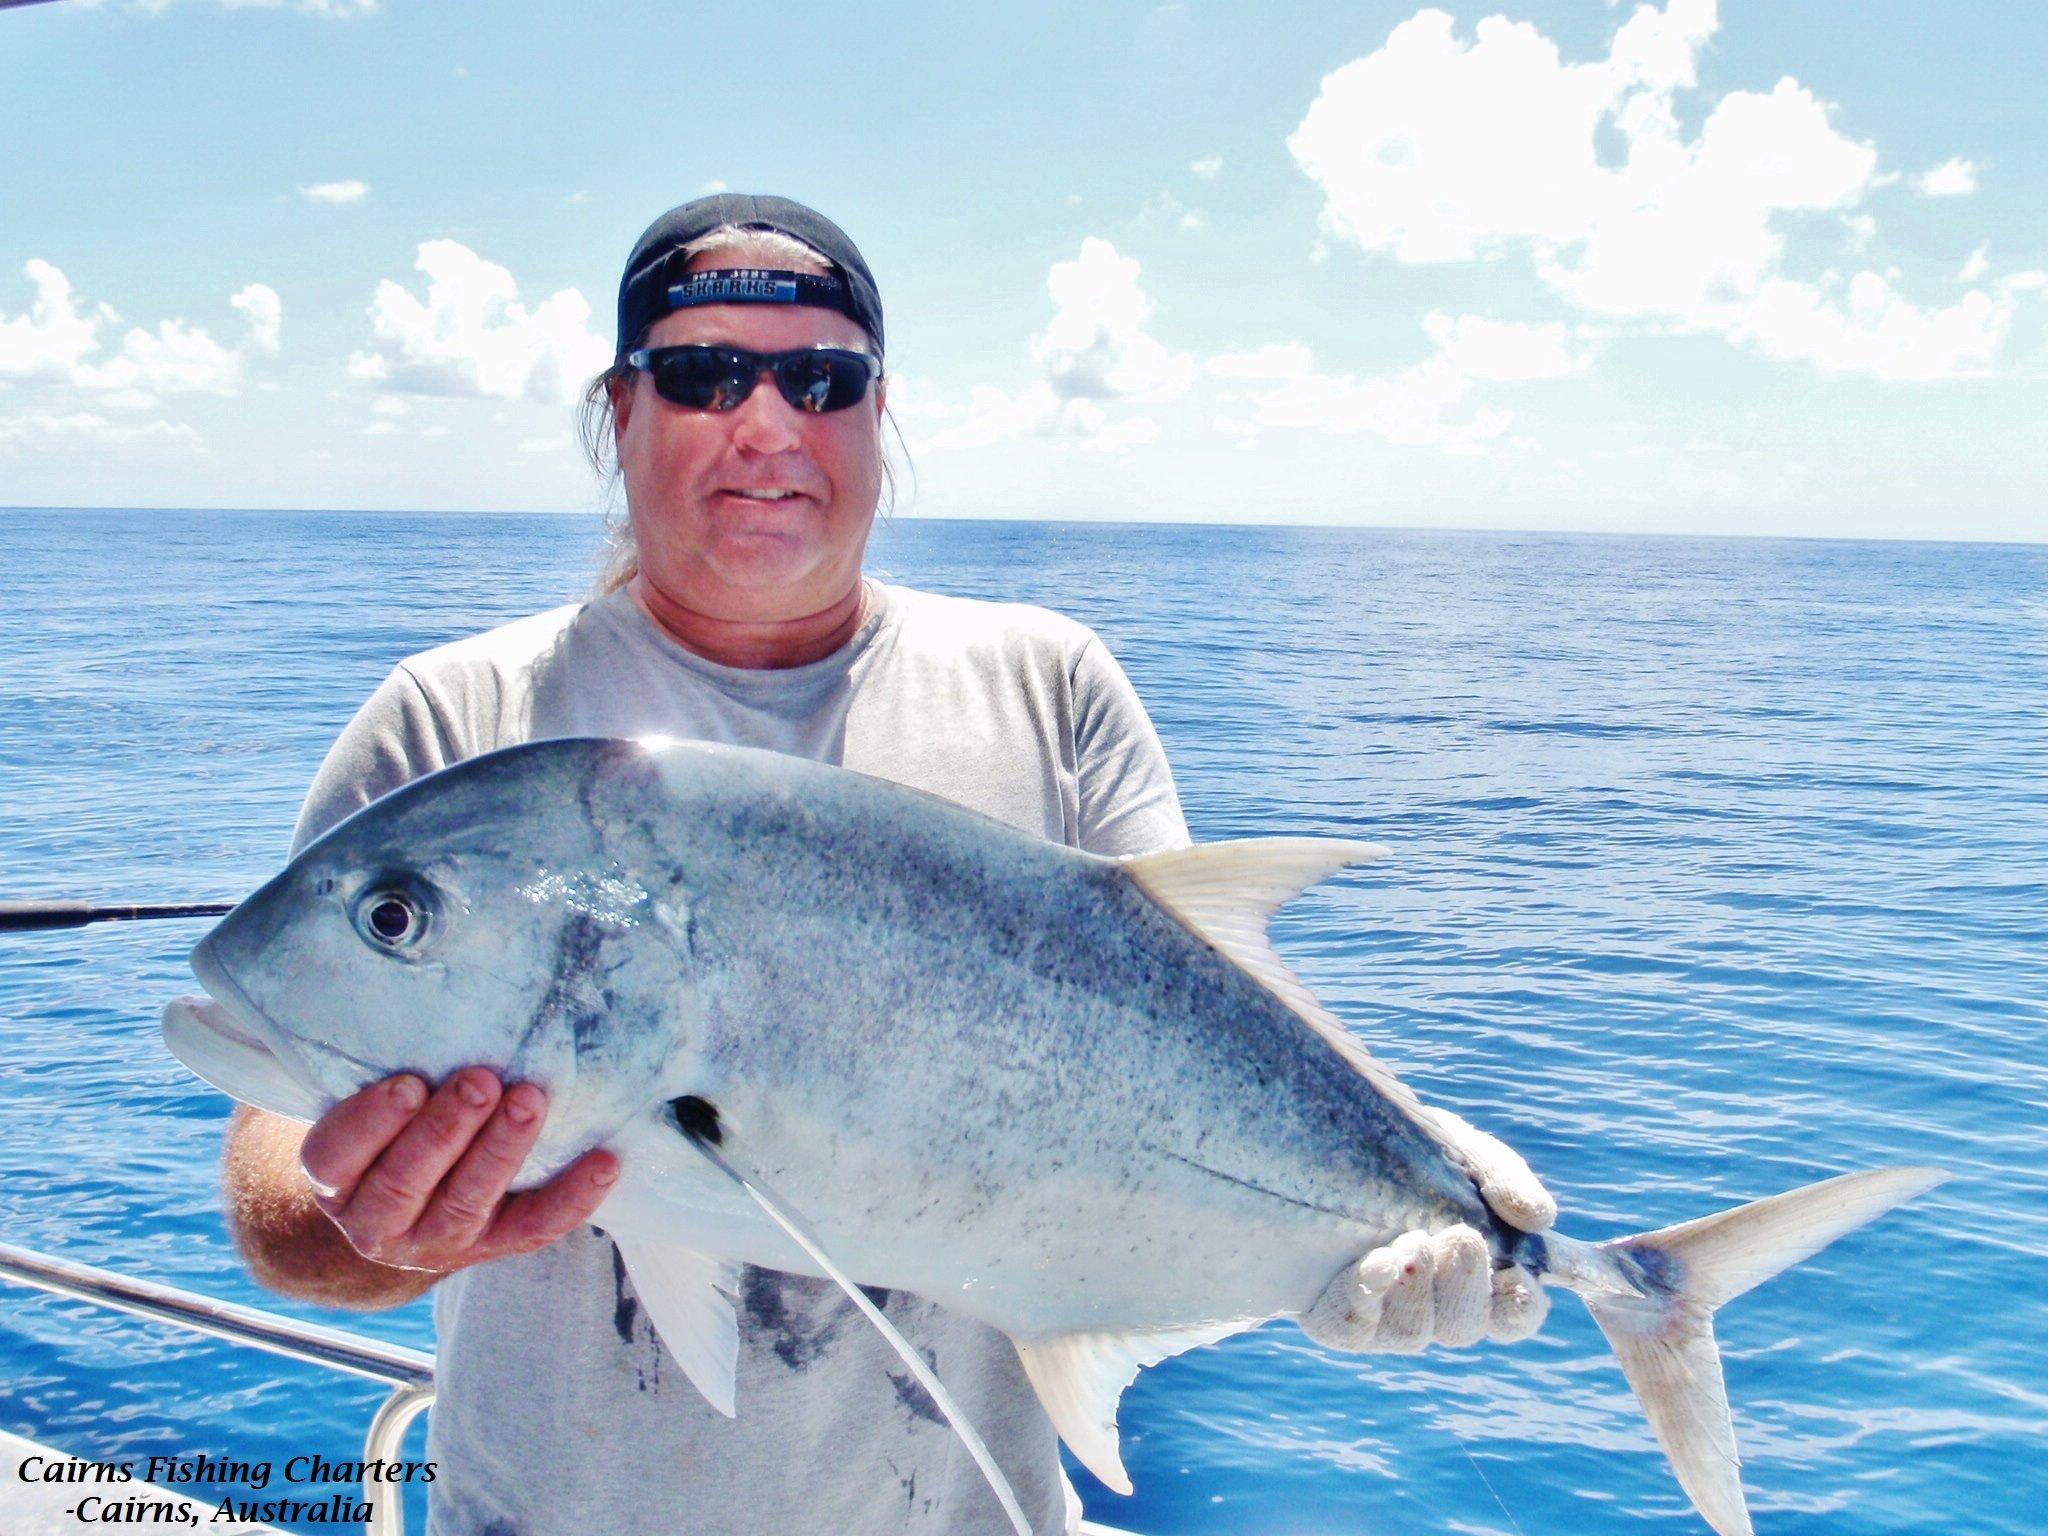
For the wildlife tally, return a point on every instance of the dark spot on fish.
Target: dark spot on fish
(1530, 1251)
(697, 1118)
(577, 951)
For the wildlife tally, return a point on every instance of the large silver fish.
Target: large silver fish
(1077, 1098)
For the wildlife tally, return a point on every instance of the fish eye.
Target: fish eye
(393, 916)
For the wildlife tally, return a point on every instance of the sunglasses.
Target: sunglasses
(812, 379)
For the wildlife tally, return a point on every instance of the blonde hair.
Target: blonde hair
(595, 423)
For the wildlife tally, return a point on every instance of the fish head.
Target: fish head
(511, 912)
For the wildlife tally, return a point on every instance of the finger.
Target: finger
(541, 1216)
(1347, 1315)
(1506, 1181)
(1407, 1310)
(468, 1198)
(1519, 1305)
(394, 1191)
(345, 1141)
(1462, 1275)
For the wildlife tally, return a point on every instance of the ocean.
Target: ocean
(1720, 867)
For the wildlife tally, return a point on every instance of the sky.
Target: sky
(1747, 268)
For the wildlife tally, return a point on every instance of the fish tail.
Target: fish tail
(1662, 1326)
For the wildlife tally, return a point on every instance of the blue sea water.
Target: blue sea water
(1720, 866)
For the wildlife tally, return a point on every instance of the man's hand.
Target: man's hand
(419, 1181)
(1441, 1288)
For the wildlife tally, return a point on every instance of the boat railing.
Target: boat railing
(409, 1373)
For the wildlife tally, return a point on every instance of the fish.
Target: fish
(839, 1027)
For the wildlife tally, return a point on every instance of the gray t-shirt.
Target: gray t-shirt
(559, 1413)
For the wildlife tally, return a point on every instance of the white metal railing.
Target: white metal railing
(408, 1372)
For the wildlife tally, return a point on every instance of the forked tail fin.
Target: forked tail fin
(1666, 1338)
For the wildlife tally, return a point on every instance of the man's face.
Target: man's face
(700, 485)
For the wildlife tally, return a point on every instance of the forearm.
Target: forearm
(287, 1241)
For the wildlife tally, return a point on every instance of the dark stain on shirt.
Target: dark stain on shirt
(911, 1394)
(625, 1306)
(798, 1317)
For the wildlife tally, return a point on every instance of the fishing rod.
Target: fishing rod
(33, 916)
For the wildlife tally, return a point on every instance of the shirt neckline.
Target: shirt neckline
(619, 607)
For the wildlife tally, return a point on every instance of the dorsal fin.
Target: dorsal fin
(1225, 894)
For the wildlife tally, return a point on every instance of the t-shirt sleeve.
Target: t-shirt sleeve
(394, 738)
(1127, 800)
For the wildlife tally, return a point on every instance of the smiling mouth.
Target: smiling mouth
(765, 494)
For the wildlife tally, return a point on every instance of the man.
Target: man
(746, 403)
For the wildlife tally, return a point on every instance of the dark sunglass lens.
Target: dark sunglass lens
(703, 378)
(823, 381)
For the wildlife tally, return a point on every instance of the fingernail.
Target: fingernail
(471, 1092)
(324, 1191)
(409, 1093)
(519, 1108)
(604, 1178)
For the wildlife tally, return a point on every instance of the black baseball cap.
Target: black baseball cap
(654, 281)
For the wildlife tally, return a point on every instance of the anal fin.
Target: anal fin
(1080, 1377)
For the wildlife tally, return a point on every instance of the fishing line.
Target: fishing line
(1484, 1480)
(34, 916)
(770, 1202)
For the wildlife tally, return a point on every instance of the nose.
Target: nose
(764, 422)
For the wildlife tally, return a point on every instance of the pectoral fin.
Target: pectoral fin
(689, 1299)
(1079, 1378)
(786, 1218)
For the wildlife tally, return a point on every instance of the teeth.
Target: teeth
(765, 495)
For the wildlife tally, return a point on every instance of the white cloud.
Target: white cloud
(339, 10)
(79, 429)
(1194, 218)
(1412, 406)
(472, 336)
(1502, 349)
(1095, 353)
(1096, 347)
(711, 187)
(174, 359)
(1870, 329)
(1978, 264)
(52, 338)
(336, 194)
(57, 341)
(1439, 149)
(1952, 178)
(1209, 167)
(265, 312)
(1428, 404)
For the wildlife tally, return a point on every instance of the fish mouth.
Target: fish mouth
(226, 1040)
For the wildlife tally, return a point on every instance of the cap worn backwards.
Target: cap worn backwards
(656, 282)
